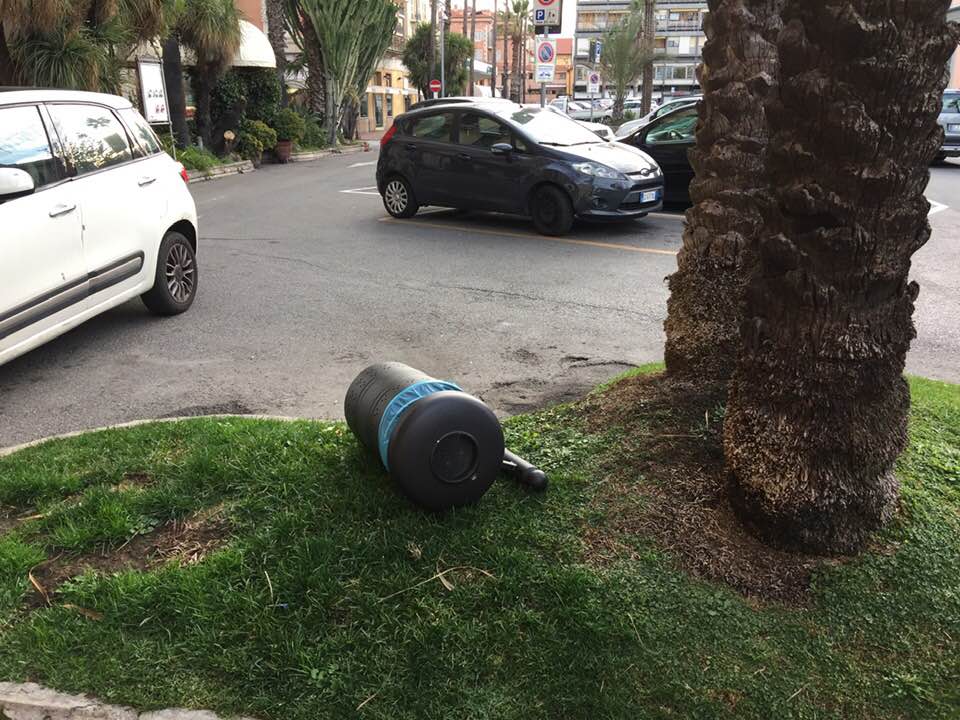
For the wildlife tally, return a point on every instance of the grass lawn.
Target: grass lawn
(298, 584)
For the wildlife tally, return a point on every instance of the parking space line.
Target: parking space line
(936, 207)
(363, 164)
(362, 191)
(529, 236)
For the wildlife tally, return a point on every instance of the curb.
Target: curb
(146, 421)
(29, 701)
(219, 171)
(317, 154)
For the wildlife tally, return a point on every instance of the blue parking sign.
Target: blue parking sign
(540, 16)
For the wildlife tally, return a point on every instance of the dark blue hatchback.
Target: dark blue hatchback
(503, 157)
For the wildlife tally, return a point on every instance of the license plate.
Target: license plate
(953, 128)
(649, 196)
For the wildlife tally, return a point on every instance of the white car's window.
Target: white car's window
(143, 134)
(92, 136)
(24, 144)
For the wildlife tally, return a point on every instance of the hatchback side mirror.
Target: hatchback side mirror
(14, 183)
(502, 149)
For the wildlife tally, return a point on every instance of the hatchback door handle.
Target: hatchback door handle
(464, 157)
(411, 147)
(62, 209)
(145, 180)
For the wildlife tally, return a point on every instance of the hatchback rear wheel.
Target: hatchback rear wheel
(551, 210)
(175, 283)
(398, 198)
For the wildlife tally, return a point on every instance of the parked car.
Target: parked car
(667, 140)
(513, 159)
(950, 120)
(94, 213)
(599, 129)
(630, 127)
(430, 102)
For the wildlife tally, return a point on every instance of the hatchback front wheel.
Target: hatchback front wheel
(175, 284)
(551, 210)
(398, 198)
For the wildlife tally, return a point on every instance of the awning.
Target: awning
(255, 49)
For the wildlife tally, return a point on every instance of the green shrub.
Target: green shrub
(629, 115)
(255, 137)
(259, 87)
(194, 158)
(289, 125)
(313, 135)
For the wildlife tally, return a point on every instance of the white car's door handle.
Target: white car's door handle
(145, 180)
(62, 209)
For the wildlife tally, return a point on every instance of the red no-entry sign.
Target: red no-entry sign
(435, 86)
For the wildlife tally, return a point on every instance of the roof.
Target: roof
(9, 96)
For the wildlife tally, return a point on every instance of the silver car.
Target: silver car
(950, 120)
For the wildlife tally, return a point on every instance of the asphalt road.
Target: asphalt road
(304, 284)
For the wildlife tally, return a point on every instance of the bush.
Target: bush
(629, 115)
(255, 137)
(194, 158)
(258, 87)
(313, 134)
(289, 125)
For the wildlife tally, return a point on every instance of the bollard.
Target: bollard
(443, 447)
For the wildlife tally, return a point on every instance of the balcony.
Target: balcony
(680, 25)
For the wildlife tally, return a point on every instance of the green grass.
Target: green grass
(318, 601)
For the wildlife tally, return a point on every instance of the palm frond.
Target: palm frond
(61, 58)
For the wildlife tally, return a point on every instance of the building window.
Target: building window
(389, 105)
(407, 102)
(388, 79)
(378, 109)
(365, 106)
(377, 79)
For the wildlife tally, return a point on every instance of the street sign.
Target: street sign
(593, 83)
(546, 60)
(597, 48)
(153, 93)
(435, 86)
(547, 15)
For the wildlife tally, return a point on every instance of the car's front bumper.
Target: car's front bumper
(609, 200)
(951, 146)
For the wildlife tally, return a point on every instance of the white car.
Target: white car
(630, 127)
(93, 212)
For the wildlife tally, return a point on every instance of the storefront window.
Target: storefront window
(378, 109)
(389, 105)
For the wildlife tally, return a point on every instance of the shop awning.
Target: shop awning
(255, 49)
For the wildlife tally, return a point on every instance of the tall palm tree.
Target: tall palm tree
(817, 413)
(518, 32)
(649, 36)
(352, 36)
(433, 38)
(624, 56)
(506, 56)
(738, 74)
(276, 33)
(211, 29)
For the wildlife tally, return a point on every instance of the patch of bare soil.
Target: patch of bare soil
(666, 482)
(185, 542)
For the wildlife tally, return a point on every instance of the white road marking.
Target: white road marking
(936, 207)
(364, 164)
(362, 191)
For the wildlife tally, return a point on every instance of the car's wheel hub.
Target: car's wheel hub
(180, 272)
(396, 196)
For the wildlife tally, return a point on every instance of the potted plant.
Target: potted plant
(290, 128)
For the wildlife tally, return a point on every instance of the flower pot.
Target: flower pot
(284, 149)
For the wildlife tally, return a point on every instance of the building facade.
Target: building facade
(679, 40)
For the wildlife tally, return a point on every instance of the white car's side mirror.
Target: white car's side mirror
(14, 183)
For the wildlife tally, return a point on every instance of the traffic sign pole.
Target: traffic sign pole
(543, 85)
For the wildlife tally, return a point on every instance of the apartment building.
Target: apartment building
(679, 38)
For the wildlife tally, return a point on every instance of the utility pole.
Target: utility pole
(649, 32)
(493, 59)
(433, 40)
(473, 39)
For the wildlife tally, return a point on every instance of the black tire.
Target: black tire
(175, 282)
(551, 210)
(398, 198)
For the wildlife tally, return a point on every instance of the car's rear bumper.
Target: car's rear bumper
(951, 146)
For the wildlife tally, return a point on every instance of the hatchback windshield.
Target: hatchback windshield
(549, 128)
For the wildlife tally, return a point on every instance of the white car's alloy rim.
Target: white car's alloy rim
(180, 272)
(396, 196)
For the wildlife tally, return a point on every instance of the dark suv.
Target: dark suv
(509, 158)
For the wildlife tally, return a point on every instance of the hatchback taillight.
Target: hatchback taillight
(388, 134)
(184, 174)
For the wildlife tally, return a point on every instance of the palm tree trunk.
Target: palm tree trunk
(202, 87)
(473, 39)
(176, 97)
(817, 413)
(737, 75)
(8, 71)
(493, 58)
(506, 54)
(276, 35)
(332, 112)
(515, 80)
(316, 77)
(649, 33)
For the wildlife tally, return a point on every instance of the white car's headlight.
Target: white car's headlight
(598, 170)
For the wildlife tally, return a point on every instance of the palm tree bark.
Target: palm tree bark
(316, 77)
(737, 76)
(493, 59)
(8, 71)
(202, 87)
(817, 414)
(176, 97)
(278, 41)
(506, 54)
